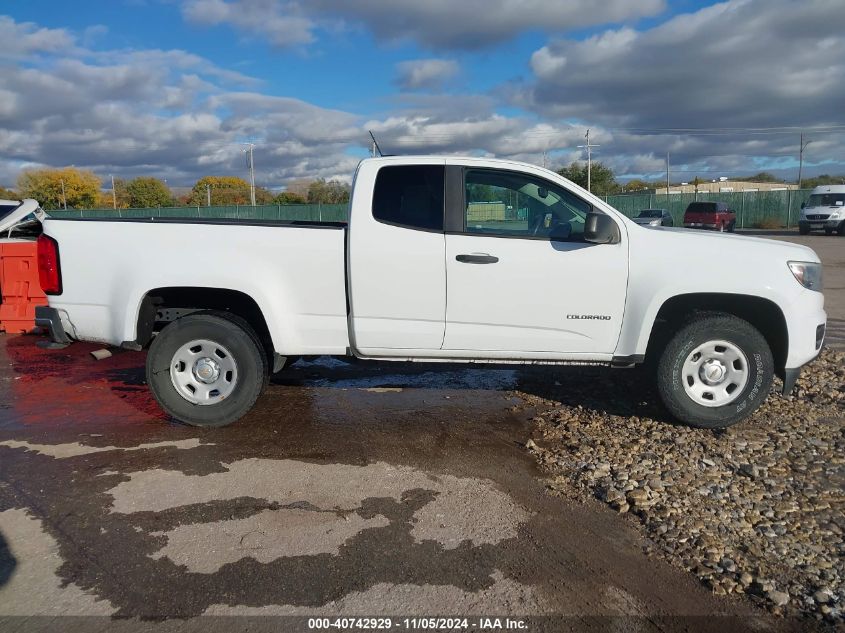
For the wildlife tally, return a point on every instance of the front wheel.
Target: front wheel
(206, 369)
(715, 371)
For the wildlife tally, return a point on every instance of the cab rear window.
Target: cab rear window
(411, 196)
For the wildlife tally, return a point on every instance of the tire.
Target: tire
(841, 230)
(745, 360)
(803, 230)
(231, 355)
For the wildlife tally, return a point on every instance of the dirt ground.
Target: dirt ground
(352, 489)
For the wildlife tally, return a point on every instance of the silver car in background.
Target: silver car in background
(654, 217)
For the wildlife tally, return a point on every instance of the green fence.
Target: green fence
(753, 208)
(263, 213)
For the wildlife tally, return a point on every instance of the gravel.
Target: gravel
(756, 509)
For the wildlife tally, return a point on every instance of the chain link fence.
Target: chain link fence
(259, 213)
(754, 209)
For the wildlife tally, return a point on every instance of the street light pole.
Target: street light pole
(113, 193)
(802, 147)
(588, 147)
(248, 151)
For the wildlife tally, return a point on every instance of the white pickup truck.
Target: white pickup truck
(443, 259)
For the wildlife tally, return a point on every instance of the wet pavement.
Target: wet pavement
(351, 489)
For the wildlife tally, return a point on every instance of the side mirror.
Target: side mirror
(601, 229)
(803, 204)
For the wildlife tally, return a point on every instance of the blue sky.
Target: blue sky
(170, 87)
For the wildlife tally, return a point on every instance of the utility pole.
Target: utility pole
(544, 159)
(251, 164)
(64, 199)
(801, 147)
(588, 147)
(113, 193)
(667, 178)
(208, 194)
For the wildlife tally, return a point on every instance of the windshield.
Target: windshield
(825, 200)
(651, 213)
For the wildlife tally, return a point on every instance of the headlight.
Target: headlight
(833, 216)
(657, 222)
(808, 274)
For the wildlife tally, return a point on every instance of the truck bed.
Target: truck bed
(292, 269)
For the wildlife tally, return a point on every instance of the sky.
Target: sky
(174, 88)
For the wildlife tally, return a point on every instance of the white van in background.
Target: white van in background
(824, 209)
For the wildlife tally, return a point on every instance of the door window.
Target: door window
(410, 196)
(511, 204)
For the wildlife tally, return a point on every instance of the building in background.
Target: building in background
(726, 186)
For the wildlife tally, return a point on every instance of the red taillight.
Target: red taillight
(49, 269)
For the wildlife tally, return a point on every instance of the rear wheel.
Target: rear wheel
(206, 369)
(715, 371)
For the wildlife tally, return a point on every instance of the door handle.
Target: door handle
(477, 258)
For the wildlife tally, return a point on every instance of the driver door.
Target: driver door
(521, 279)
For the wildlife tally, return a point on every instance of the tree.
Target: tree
(224, 190)
(146, 191)
(328, 192)
(7, 194)
(763, 176)
(602, 180)
(288, 197)
(636, 184)
(263, 196)
(81, 187)
(824, 179)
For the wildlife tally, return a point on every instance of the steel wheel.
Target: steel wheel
(715, 373)
(203, 372)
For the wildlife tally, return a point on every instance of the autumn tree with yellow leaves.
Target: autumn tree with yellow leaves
(57, 188)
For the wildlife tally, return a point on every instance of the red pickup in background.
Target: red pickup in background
(709, 215)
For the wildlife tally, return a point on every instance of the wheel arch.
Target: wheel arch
(765, 315)
(161, 306)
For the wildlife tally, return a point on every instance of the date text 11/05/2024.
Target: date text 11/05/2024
(422, 623)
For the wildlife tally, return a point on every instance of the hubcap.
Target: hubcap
(715, 373)
(203, 372)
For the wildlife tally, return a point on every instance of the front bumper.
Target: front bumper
(790, 375)
(50, 319)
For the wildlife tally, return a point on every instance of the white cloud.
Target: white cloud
(281, 23)
(470, 24)
(425, 73)
(21, 39)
